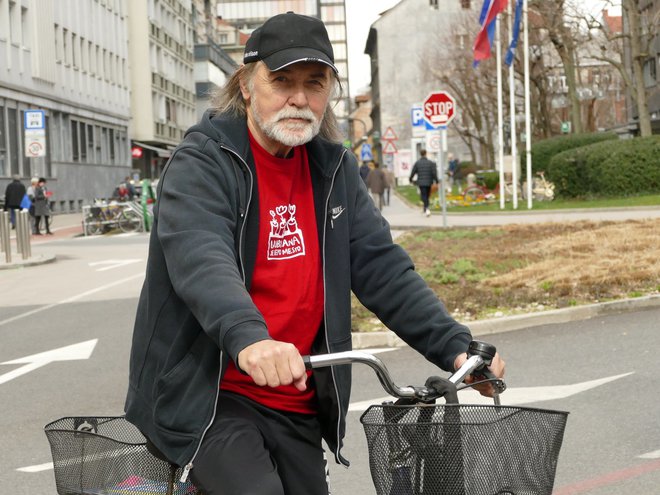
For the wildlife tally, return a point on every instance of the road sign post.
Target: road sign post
(439, 109)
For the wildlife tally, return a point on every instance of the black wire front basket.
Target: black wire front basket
(108, 456)
(463, 449)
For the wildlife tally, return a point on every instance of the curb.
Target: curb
(40, 259)
(387, 338)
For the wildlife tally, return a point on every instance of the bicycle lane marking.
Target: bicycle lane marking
(71, 299)
(585, 486)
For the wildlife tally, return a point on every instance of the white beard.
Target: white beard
(286, 132)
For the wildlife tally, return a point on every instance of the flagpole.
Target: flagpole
(528, 111)
(500, 131)
(512, 117)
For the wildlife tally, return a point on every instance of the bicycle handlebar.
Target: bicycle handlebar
(480, 356)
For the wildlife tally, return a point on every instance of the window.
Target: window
(433, 4)
(466, 4)
(83, 142)
(111, 132)
(3, 144)
(12, 127)
(75, 151)
(90, 143)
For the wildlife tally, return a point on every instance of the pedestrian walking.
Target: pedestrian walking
(364, 171)
(262, 229)
(14, 193)
(427, 175)
(30, 192)
(377, 182)
(390, 182)
(41, 207)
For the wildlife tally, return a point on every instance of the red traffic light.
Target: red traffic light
(136, 152)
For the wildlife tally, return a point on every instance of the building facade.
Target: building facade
(247, 15)
(69, 60)
(162, 80)
(398, 48)
(213, 66)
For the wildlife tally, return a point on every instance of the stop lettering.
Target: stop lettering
(439, 108)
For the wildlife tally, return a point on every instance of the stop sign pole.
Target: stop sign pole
(439, 110)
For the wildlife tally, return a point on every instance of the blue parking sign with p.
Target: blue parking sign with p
(365, 153)
(417, 118)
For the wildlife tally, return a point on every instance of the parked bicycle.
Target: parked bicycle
(415, 446)
(103, 217)
(542, 188)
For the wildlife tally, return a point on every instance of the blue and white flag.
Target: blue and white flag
(511, 52)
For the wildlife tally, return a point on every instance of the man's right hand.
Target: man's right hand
(273, 363)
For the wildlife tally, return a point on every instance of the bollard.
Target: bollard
(6, 231)
(23, 233)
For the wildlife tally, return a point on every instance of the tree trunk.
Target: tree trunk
(638, 57)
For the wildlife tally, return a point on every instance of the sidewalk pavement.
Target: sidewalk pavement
(401, 218)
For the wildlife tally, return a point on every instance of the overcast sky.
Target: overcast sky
(361, 14)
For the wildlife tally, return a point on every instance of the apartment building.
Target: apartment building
(247, 15)
(69, 61)
(162, 80)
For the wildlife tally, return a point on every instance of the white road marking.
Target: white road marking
(37, 468)
(71, 299)
(513, 396)
(110, 264)
(74, 352)
(650, 455)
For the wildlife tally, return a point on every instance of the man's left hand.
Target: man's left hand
(497, 368)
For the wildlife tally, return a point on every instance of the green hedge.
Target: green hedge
(608, 169)
(543, 151)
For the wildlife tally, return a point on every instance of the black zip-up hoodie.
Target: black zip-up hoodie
(195, 312)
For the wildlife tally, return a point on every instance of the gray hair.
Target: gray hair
(229, 99)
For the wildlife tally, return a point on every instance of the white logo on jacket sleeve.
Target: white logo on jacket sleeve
(285, 239)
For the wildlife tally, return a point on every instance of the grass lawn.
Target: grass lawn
(488, 272)
(410, 194)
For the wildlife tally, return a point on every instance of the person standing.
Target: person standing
(427, 175)
(41, 207)
(377, 182)
(262, 229)
(14, 193)
(364, 171)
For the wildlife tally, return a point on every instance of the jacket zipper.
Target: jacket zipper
(189, 465)
(338, 457)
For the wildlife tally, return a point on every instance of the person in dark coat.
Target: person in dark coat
(41, 207)
(262, 229)
(13, 196)
(364, 171)
(427, 175)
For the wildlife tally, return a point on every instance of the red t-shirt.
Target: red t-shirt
(287, 284)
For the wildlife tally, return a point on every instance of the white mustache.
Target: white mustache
(289, 113)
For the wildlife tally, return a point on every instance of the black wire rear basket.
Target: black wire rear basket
(463, 449)
(108, 456)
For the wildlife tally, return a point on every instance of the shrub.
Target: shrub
(544, 151)
(608, 169)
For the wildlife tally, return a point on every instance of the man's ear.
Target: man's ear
(244, 89)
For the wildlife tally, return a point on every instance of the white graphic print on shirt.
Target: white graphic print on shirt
(285, 239)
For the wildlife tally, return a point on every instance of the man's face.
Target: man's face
(285, 107)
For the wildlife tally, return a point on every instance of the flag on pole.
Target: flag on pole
(511, 52)
(484, 39)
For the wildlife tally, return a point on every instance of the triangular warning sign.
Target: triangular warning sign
(389, 148)
(389, 135)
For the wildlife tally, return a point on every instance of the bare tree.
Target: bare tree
(637, 38)
(564, 35)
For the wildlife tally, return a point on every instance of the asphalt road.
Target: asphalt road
(87, 300)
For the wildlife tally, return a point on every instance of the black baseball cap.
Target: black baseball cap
(287, 39)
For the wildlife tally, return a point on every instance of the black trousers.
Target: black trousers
(251, 449)
(424, 192)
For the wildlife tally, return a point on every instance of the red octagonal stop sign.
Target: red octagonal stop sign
(439, 108)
